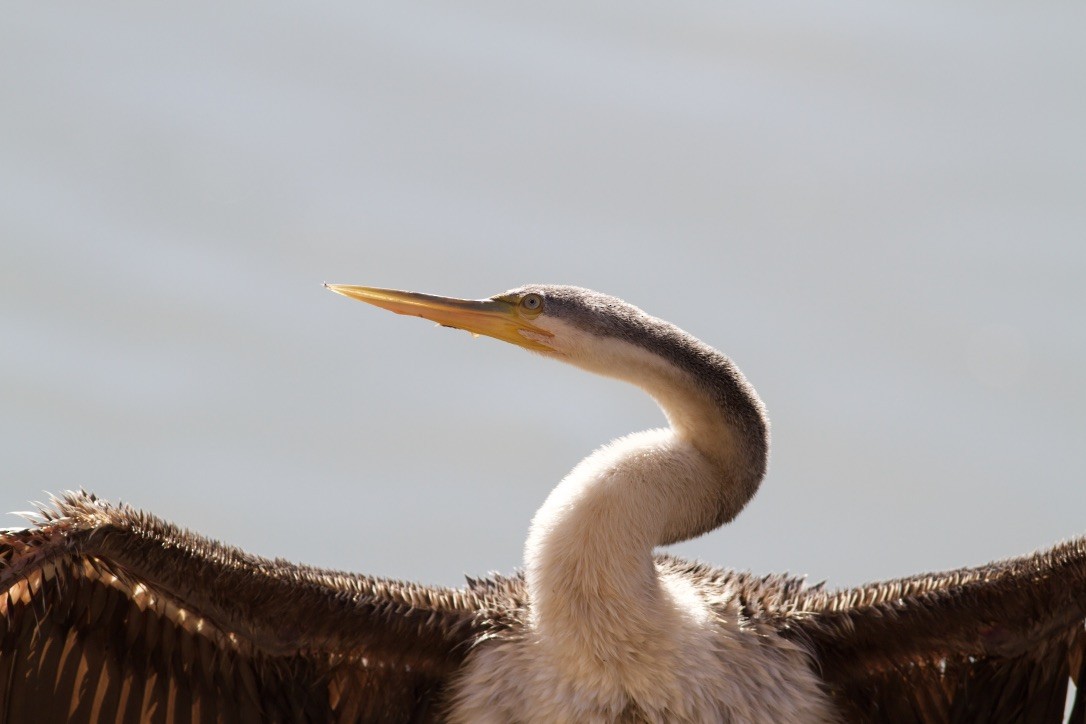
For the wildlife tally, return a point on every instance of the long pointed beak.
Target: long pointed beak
(493, 317)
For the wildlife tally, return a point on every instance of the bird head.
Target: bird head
(704, 396)
(540, 318)
(593, 331)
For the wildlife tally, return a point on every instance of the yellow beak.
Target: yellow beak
(496, 318)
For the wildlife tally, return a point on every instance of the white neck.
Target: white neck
(596, 598)
(610, 635)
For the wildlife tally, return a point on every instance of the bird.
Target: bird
(108, 613)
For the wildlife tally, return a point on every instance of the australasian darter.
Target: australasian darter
(109, 614)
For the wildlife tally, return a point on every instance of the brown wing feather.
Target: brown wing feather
(107, 614)
(997, 643)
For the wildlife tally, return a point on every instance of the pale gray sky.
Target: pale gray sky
(878, 210)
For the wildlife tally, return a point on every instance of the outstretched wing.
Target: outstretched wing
(107, 614)
(998, 643)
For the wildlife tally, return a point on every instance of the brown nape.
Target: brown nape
(715, 375)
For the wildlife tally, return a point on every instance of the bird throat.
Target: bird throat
(595, 595)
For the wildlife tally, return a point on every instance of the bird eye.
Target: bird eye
(531, 302)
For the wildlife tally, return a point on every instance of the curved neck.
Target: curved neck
(593, 587)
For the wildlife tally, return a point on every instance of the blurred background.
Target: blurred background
(878, 210)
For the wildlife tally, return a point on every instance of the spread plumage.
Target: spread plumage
(107, 613)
